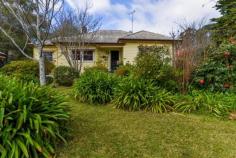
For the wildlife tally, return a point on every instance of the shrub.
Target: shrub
(95, 87)
(21, 67)
(49, 67)
(218, 72)
(25, 70)
(162, 101)
(49, 79)
(218, 104)
(98, 67)
(124, 70)
(133, 95)
(31, 119)
(25, 77)
(168, 78)
(64, 75)
(153, 63)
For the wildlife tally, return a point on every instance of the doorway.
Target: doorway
(114, 60)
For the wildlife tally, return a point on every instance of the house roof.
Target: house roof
(109, 36)
(145, 35)
(115, 36)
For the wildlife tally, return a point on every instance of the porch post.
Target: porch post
(109, 60)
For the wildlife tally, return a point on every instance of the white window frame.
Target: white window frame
(82, 51)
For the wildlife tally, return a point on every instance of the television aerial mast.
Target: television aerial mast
(132, 19)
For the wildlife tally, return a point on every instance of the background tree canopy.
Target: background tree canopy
(225, 26)
(10, 24)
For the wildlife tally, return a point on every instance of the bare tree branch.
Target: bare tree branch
(16, 45)
(75, 31)
(191, 51)
(35, 18)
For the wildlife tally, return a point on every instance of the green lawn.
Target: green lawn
(105, 132)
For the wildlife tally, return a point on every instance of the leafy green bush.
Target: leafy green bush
(49, 67)
(64, 75)
(31, 119)
(25, 77)
(25, 70)
(95, 87)
(153, 63)
(218, 72)
(124, 70)
(133, 95)
(21, 67)
(162, 101)
(49, 79)
(218, 104)
(98, 67)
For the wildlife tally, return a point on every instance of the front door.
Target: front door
(114, 60)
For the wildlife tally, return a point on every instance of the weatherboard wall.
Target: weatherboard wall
(101, 55)
(130, 49)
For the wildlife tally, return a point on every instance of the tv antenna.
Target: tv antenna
(132, 19)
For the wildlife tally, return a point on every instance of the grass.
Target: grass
(105, 132)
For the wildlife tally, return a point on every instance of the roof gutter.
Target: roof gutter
(149, 39)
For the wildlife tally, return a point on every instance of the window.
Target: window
(87, 55)
(48, 56)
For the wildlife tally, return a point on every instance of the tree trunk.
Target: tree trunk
(42, 73)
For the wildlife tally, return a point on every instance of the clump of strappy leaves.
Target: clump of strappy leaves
(32, 119)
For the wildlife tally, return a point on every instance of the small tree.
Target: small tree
(35, 18)
(75, 30)
(191, 51)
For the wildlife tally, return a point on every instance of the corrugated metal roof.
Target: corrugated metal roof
(146, 35)
(114, 36)
(109, 36)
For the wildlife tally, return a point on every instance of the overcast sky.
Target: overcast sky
(159, 16)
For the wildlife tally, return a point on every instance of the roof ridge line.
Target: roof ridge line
(132, 33)
(112, 30)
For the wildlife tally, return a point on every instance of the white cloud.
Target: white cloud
(96, 5)
(152, 15)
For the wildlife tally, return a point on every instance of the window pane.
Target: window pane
(88, 55)
(48, 56)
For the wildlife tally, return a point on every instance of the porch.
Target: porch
(110, 56)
